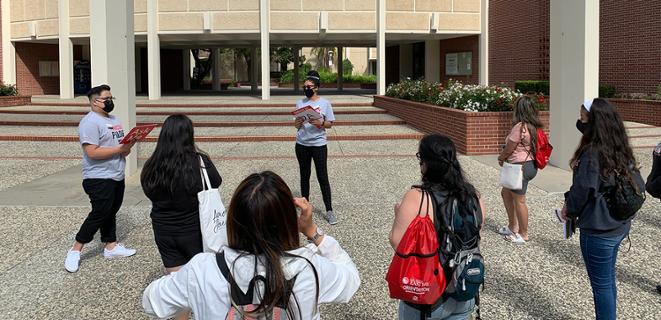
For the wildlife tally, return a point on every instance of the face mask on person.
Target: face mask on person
(309, 92)
(581, 126)
(108, 106)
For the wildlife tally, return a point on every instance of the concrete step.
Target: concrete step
(9, 119)
(202, 104)
(204, 111)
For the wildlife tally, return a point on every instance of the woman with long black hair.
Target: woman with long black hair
(443, 179)
(264, 270)
(311, 140)
(603, 153)
(171, 179)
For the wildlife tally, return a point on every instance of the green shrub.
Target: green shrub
(536, 86)
(607, 91)
(8, 90)
(347, 67)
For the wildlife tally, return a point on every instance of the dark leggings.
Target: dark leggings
(305, 155)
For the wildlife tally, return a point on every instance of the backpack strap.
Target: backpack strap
(242, 299)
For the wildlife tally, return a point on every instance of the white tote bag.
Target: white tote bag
(511, 176)
(213, 218)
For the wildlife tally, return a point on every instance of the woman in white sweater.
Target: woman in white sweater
(262, 222)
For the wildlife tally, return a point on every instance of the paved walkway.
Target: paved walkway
(42, 205)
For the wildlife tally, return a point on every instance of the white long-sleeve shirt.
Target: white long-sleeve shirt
(201, 287)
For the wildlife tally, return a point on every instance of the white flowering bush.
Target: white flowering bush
(468, 97)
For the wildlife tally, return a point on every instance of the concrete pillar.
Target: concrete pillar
(381, 47)
(265, 29)
(65, 51)
(112, 45)
(574, 70)
(8, 49)
(340, 68)
(138, 70)
(216, 69)
(86, 52)
(185, 55)
(153, 52)
(484, 43)
(254, 71)
(297, 85)
(405, 60)
(433, 60)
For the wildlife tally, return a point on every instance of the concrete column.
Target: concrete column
(433, 60)
(340, 69)
(8, 49)
(484, 43)
(265, 29)
(185, 55)
(254, 72)
(216, 69)
(138, 70)
(381, 47)
(405, 60)
(297, 85)
(574, 70)
(153, 52)
(65, 51)
(112, 45)
(86, 52)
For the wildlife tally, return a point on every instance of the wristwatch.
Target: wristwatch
(317, 234)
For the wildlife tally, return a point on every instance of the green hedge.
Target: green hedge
(536, 86)
(607, 91)
(326, 76)
(8, 90)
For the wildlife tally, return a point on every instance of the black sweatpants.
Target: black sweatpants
(106, 196)
(305, 155)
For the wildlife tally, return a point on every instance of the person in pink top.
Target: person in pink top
(520, 148)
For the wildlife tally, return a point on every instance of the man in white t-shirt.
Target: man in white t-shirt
(104, 159)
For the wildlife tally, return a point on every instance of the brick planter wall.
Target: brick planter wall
(473, 133)
(641, 111)
(10, 101)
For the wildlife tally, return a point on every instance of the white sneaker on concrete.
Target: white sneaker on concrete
(118, 251)
(72, 261)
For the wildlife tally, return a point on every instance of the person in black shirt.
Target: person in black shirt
(171, 179)
(604, 150)
(653, 185)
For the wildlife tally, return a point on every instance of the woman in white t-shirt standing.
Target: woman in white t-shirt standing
(311, 142)
(264, 268)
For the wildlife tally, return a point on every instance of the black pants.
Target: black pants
(305, 155)
(106, 196)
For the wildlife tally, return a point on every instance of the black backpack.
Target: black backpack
(459, 240)
(624, 199)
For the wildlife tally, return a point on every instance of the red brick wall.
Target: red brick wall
(630, 46)
(28, 81)
(8, 101)
(641, 111)
(463, 44)
(518, 40)
(472, 132)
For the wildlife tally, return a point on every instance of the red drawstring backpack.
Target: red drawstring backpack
(415, 274)
(543, 149)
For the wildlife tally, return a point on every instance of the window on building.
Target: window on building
(49, 69)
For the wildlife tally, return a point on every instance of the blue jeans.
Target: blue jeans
(449, 310)
(600, 254)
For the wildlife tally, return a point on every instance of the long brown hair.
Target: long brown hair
(605, 134)
(262, 221)
(526, 113)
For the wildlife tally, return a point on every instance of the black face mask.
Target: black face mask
(309, 92)
(581, 126)
(108, 106)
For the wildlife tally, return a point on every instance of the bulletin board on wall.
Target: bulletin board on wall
(458, 63)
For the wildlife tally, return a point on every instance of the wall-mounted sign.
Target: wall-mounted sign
(458, 63)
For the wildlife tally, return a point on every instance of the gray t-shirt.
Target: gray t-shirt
(104, 132)
(309, 135)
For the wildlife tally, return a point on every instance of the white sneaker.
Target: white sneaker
(118, 251)
(72, 261)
